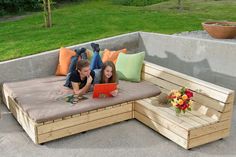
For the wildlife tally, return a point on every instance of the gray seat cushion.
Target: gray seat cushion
(42, 99)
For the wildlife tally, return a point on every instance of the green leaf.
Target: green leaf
(189, 109)
(182, 90)
(177, 110)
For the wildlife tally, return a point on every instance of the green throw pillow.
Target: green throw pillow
(129, 66)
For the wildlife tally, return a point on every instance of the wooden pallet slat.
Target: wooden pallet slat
(162, 121)
(226, 116)
(162, 130)
(209, 129)
(168, 116)
(217, 105)
(84, 113)
(187, 118)
(202, 118)
(83, 119)
(76, 115)
(208, 138)
(27, 124)
(48, 122)
(83, 127)
(205, 110)
(183, 79)
(57, 120)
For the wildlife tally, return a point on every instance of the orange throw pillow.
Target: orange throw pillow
(112, 55)
(64, 61)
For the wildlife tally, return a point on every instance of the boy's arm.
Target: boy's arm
(88, 84)
(76, 89)
(83, 90)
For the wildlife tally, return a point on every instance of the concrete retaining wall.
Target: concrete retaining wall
(208, 60)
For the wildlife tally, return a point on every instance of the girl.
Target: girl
(107, 74)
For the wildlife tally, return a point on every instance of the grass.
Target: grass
(76, 23)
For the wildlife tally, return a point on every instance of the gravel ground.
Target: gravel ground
(203, 35)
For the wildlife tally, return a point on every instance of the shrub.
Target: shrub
(137, 2)
(16, 6)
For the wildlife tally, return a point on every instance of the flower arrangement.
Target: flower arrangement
(181, 100)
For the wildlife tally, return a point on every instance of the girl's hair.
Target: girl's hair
(82, 64)
(112, 79)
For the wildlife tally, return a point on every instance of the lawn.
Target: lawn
(76, 23)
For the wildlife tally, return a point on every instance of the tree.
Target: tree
(180, 5)
(47, 13)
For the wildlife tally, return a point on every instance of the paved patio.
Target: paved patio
(130, 138)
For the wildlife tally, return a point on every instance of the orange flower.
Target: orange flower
(184, 97)
(180, 102)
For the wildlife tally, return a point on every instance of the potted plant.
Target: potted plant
(220, 30)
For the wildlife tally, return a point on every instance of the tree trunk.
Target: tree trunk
(47, 13)
(180, 6)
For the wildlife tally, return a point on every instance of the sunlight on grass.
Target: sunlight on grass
(81, 22)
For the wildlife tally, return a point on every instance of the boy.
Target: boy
(82, 78)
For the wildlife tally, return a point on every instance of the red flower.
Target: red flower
(172, 96)
(184, 106)
(189, 93)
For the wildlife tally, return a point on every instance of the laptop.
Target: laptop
(103, 90)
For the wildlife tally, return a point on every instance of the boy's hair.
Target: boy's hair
(82, 64)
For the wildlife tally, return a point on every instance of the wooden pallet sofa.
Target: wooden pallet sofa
(209, 120)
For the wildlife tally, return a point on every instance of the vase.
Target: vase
(220, 30)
